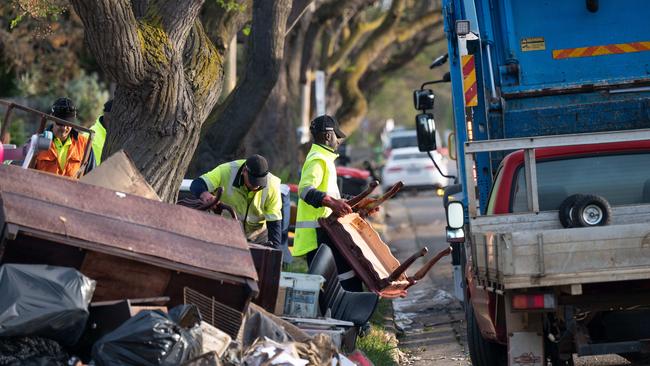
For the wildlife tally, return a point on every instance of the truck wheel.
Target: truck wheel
(566, 208)
(482, 352)
(591, 210)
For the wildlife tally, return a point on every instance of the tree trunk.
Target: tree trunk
(274, 133)
(168, 76)
(228, 125)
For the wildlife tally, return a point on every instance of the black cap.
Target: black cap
(326, 123)
(64, 108)
(258, 169)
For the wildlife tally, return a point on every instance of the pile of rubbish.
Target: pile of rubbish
(47, 318)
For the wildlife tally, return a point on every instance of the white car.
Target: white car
(415, 169)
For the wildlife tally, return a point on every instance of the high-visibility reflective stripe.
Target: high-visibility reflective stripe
(601, 50)
(307, 225)
(273, 217)
(346, 275)
(234, 167)
(306, 191)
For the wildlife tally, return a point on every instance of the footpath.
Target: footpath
(429, 321)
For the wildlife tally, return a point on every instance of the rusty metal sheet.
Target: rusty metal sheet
(124, 225)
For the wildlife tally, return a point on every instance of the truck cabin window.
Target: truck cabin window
(623, 179)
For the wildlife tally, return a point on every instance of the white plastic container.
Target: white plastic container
(301, 295)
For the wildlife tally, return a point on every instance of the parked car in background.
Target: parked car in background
(399, 139)
(414, 168)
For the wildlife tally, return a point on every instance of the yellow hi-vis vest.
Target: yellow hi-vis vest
(318, 172)
(98, 140)
(252, 208)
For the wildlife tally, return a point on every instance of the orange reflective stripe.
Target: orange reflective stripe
(469, 81)
(609, 49)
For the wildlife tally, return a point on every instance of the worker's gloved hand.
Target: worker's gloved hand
(271, 244)
(339, 207)
(206, 197)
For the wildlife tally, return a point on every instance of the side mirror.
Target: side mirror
(455, 215)
(439, 61)
(455, 222)
(426, 131)
(423, 99)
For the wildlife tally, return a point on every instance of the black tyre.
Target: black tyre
(591, 210)
(566, 207)
(482, 352)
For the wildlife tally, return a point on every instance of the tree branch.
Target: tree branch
(354, 105)
(397, 58)
(177, 18)
(360, 30)
(115, 44)
(331, 10)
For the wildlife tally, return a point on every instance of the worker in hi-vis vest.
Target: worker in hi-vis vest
(252, 191)
(100, 126)
(319, 197)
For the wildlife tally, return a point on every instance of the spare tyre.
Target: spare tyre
(566, 208)
(591, 210)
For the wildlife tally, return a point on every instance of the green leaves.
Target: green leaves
(231, 5)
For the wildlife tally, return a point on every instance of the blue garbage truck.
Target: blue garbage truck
(550, 216)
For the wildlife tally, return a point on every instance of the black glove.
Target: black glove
(271, 244)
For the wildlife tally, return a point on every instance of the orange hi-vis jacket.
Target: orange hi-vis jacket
(48, 161)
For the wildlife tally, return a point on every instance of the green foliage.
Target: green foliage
(378, 347)
(231, 5)
(86, 91)
(89, 94)
(37, 9)
(246, 30)
(17, 131)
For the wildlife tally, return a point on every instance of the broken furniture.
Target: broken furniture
(355, 307)
(267, 260)
(133, 247)
(367, 254)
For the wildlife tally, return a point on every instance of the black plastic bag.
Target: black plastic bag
(45, 301)
(152, 338)
(31, 351)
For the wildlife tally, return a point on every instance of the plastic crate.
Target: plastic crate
(300, 294)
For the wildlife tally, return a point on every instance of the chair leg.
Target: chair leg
(423, 271)
(405, 265)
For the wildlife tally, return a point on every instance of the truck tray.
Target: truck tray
(510, 255)
(368, 255)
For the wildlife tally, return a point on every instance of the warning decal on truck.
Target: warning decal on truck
(609, 49)
(469, 81)
(533, 44)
